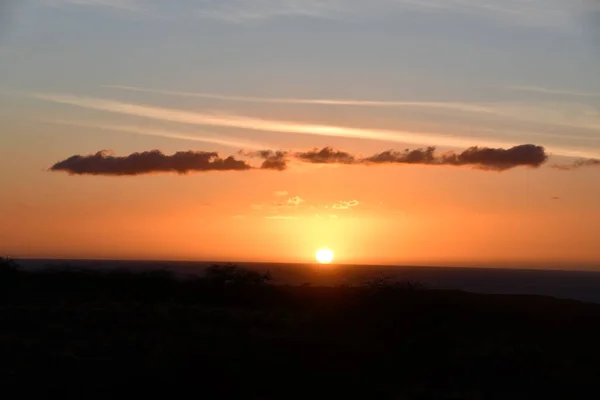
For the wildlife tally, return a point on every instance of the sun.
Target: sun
(324, 256)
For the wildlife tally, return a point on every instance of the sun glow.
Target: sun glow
(324, 256)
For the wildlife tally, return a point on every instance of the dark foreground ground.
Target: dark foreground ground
(81, 334)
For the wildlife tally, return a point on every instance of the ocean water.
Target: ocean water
(577, 285)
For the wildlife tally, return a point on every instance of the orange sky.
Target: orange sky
(382, 214)
(79, 77)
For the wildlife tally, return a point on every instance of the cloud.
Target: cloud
(494, 159)
(559, 114)
(282, 217)
(418, 156)
(240, 11)
(527, 155)
(542, 90)
(563, 115)
(256, 124)
(346, 205)
(281, 193)
(583, 163)
(128, 6)
(275, 160)
(533, 12)
(327, 155)
(148, 162)
(296, 201)
(467, 107)
(557, 14)
(228, 11)
(170, 134)
(486, 158)
(550, 13)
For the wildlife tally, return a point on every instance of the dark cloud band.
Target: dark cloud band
(148, 162)
(478, 157)
(327, 155)
(274, 160)
(492, 159)
(583, 163)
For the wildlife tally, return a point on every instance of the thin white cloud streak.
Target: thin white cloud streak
(240, 11)
(559, 114)
(537, 12)
(242, 122)
(256, 124)
(230, 11)
(511, 7)
(557, 13)
(282, 217)
(536, 89)
(163, 133)
(122, 5)
(328, 102)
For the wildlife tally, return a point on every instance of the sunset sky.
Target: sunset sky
(103, 79)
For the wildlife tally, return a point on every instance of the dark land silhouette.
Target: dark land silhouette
(231, 333)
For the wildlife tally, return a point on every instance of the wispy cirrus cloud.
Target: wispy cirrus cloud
(231, 11)
(557, 114)
(543, 90)
(132, 6)
(528, 12)
(564, 115)
(453, 106)
(170, 134)
(227, 120)
(238, 11)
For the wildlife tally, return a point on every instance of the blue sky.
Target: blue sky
(490, 72)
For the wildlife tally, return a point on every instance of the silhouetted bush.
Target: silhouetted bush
(8, 265)
(9, 269)
(231, 274)
(388, 283)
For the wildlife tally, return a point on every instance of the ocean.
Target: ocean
(576, 285)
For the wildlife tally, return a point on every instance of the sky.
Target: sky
(424, 132)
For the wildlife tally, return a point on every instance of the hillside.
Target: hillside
(231, 334)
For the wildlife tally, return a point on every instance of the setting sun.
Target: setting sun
(324, 256)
